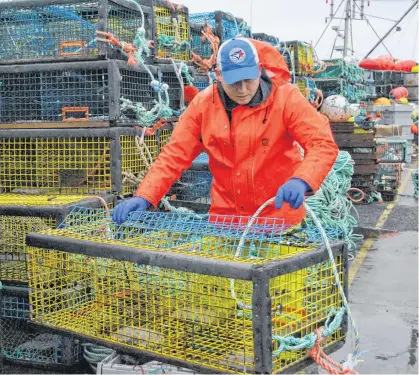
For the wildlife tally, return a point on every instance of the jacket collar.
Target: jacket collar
(261, 96)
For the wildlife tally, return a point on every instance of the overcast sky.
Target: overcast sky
(305, 20)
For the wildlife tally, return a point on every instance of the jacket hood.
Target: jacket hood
(272, 61)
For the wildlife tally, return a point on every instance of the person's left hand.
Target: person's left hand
(292, 192)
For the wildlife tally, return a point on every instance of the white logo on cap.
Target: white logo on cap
(237, 55)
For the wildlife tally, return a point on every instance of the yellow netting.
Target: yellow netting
(132, 162)
(80, 165)
(305, 58)
(301, 302)
(177, 314)
(38, 200)
(13, 250)
(165, 27)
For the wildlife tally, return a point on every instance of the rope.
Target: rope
(147, 158)
(311, 341)
(207, 64)
(331, 203)
(95, 354)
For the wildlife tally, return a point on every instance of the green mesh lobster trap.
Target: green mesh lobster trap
(188, 289)
(25, 344)
(76, 161)
(273, 40)
(63, 30)
(24, 213)
(74, 94)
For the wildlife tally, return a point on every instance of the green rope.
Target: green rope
(188, 76)
(142, 44)
(291, 343)
(331, 204)
(171, 42)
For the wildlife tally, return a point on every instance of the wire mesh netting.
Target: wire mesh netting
(22, 342)
(302, 54)
(274, 41)
(216, 236)
(392, 151)
(202, 319)
(332, 86)
(172, 31)
(72, 92)
(15, 307)
(31, 31)
(224, 25)
(168, 76)
(388, 176)
(201, 81)
(13, 249)
(199, 43)
(69, 165)
(193, 186)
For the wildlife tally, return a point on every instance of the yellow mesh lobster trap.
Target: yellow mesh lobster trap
(73, 161)
(172, 31)
(303, 56)
(21, 214)
(187, 289)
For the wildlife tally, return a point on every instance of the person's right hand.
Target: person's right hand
(121, 212)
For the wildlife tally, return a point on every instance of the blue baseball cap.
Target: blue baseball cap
(238, 60)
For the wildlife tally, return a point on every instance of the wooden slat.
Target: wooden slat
(365, 169)
(345, 127)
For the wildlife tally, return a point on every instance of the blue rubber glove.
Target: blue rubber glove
(292, 192)
(121, 212)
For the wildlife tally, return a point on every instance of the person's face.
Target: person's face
(241, 92)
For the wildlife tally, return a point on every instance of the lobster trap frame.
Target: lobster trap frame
(201, 81)
(73, 94)
(26, 344)
(164, 12)
(65, 30)
(21, 214)
(221, 23)
(168, 75)
(193, 188)
(154, 338)
(272, 40)
(74, 161)
(302, 54)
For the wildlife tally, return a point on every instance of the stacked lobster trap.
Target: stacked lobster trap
(359, 140)
(88, 94)
(190, 290)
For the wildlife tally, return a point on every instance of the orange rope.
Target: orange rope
(150, 131)
(353, 199)
(322, 359)
(207, 64)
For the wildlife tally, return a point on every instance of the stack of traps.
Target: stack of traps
(22, 214)
(181, 289)
(27, 344)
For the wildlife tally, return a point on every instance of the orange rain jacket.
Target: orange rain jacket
(249, 166)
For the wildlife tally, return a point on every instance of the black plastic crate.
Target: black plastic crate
(54, 30)
(74, 94)
(171, 38)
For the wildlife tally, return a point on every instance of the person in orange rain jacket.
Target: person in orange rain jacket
(248, 123)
